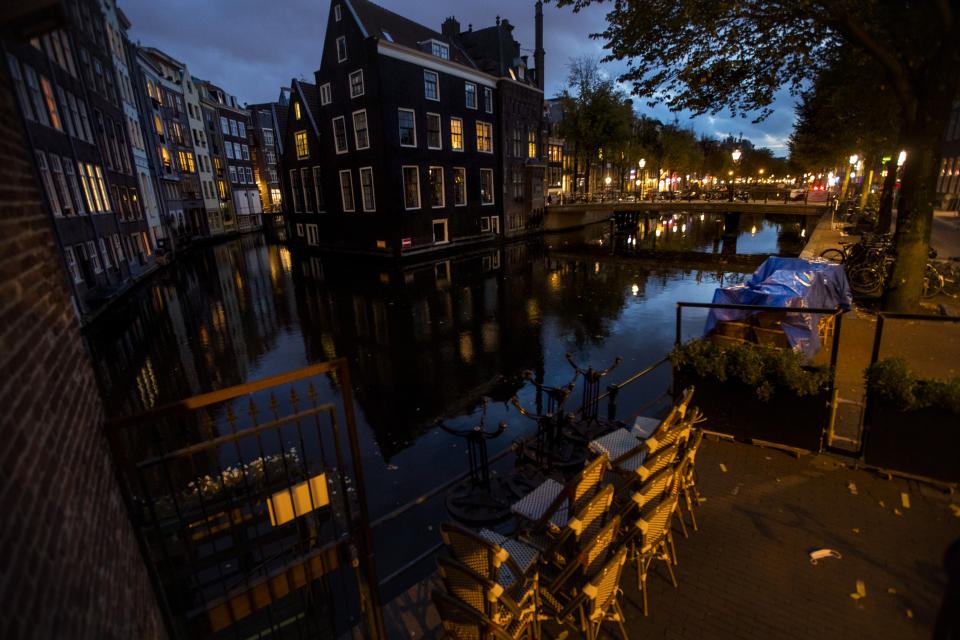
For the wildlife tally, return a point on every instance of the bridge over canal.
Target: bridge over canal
(575, 216)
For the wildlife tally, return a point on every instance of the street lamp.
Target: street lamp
(643, 163)
(607, 181)
(846, 177)
(735, 154)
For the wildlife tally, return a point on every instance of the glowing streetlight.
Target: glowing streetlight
(901, 158)
(736, 155)
(642, 164)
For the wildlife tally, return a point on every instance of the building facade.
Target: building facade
(397, 148)
(948, 184)
(265, 155)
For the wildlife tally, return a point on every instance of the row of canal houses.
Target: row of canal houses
(137, 158)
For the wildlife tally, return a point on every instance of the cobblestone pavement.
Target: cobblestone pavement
(746, 573)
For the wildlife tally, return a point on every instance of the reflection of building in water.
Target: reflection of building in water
(423, 341)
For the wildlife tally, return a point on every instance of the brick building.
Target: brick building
(265, 155)
(397, 147)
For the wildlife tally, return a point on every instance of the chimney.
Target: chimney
(450, 27)
(538, 52)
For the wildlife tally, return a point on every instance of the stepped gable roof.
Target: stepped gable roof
(391, 27)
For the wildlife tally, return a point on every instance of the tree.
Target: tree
(597, 117)
(705, 56)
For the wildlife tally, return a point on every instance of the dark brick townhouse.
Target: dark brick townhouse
(398, 146)
(69, 95)
(264, 153)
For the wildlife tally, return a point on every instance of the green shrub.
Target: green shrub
(765, 368)
(891, 380)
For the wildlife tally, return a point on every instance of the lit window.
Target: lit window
(436, 187)
(356, 83)
(470, 93)
(531, 144)
(411, 187)
(486, 186)
(340, 134)
(346, 190)
(433, 131)
(439, 231)
(360, 134)
(459, 186)
(51, 104)
(303, 150)
(408, 129)
(274, 195)
(456, 134)
(484, 137)
(431, 83)
(366, 189)
(341, 49)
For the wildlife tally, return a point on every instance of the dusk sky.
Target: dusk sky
(252, 48)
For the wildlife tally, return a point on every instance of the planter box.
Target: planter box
(734, 408)
(924, 442)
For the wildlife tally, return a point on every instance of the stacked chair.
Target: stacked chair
(573, 539)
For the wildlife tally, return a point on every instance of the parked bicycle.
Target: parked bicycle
(869, 261)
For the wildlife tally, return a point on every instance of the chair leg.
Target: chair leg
(673, 551)
(693, 518)
(683, 526)
(670, 563)
(620, 620)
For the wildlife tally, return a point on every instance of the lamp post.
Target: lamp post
(643, 163)
(606, 190)
(846, 177)
(735, 154)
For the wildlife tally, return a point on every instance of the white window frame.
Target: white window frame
(300, 229)
(118, 248)
(336, 143)
(487, 134)
(350, 83)
(371, 206)
(403, 180)
(94, 257)
(325, 93)
(493, 198)
(353, 200)
(446, 231)
(313, 238)
(366, 128)
(413, 113)
(466, 95)
(336, 13)
(443, 47)
(305, 173)
(463, 173)
(318, 190)
(436, 84)
(297, 206)
(306, 140)
(342, 44)
(72, 265)
(439, 130)
(452, 146)
(443, 194)
(488, 99)
(485, 223)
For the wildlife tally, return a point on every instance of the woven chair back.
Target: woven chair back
(594, 554)
(604, 586)
(481, 555)
(463, 622)
(658, 522)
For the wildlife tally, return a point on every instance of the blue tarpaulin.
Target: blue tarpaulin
(788, 282)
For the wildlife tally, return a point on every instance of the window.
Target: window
(228, 147)
(439, 231)
(312, 237)
(90, 190)
(361, 136)
(275, 195)
(431, 84)
(237, 151)
(51, 104)
(340, 134)
(118, 248)
(94, 258)
(336, 13)
(346, 190)
(325, 94)
(74, 185)
(408, 129)
(48, 185)
(246, 151)
(517, 144)
(233, 175)
(317, 187)
(225, 125)
(307, 191)
(295, 192)
(233, 129)
(61, 182)
(72, 265)
(459, 187)
(531, 143)
(366, 189)
(242, 130)
(470, 90)
(436, 187)
(20, 86)
(517, 184)
(356, 83)
(36, 96)
(484, 137)
(486, 186)
(488, 99)
(341, 49)
(186, 162)
(440, 50)
(303, 150)
(485, 223)
(299, 229)
(106, 254)
(102, 184)
(456, 134)
(411, 188)
(249, 172)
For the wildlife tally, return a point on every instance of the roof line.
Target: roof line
(278, 139)
(306, 107)
(356, 19)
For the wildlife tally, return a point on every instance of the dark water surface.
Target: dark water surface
(426, 341)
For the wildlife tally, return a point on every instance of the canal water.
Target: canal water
(428, 341)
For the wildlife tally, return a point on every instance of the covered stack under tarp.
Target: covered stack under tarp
(782, 282)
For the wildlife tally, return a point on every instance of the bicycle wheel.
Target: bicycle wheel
(834, 255)
(865, 280)
(932, 282)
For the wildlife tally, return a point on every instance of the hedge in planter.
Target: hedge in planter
(756, 391)
(912, 421)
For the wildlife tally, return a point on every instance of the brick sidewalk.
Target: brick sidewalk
(746, 573)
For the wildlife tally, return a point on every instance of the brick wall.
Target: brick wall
(70, 566)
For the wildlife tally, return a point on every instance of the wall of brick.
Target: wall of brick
(70, 566)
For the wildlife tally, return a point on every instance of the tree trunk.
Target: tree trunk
(923, 140)
(867, 183)
(885, 213)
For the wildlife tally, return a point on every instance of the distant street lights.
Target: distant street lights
(735, 154)
(606, 181)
